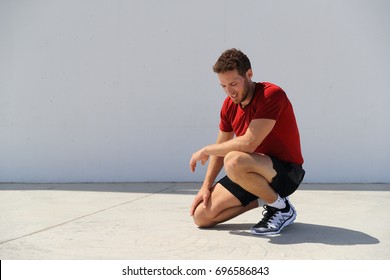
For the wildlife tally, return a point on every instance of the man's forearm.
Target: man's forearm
(247, 143)
(216, 162)
(222, 149)
(213, 169)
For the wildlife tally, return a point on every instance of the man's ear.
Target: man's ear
(249, 73)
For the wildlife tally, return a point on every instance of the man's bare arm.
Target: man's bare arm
(257, 131)
(216, 162)
(213, 169)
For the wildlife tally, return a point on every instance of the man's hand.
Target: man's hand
(198, 156)
(203, 195)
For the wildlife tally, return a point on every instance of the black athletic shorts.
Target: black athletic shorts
(287, 180)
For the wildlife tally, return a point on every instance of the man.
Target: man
(259, 147)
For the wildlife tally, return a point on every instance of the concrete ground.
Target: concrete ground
(151, 221)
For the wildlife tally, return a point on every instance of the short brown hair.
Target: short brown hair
(232, 59)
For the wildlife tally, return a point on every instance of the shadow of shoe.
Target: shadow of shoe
(299, 233)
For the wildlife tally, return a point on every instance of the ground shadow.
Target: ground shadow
(132, 187)
(186, 188)
(299, 233)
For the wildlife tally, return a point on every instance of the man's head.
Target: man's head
(235, 76)
(230, 60)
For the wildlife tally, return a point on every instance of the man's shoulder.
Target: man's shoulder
(271, 88)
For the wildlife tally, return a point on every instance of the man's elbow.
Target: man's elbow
(249, 147)
(248, 144)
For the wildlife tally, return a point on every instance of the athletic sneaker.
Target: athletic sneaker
(274, 219)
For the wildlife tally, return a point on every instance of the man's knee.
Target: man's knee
(204, 223)
(203, 218)
(234, 164)
(233, 160)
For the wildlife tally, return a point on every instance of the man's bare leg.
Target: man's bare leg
(253, 172)
(222, 206)
(250, 171)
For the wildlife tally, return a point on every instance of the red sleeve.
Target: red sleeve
(225, 124)
(272, 105)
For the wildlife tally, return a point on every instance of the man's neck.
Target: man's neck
(251, 93)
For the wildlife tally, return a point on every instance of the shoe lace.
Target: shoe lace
(268, 213)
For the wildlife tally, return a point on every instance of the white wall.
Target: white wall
(117, 90)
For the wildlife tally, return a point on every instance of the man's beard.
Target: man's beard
(246, 91)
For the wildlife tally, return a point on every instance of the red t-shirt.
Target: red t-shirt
(269, 102)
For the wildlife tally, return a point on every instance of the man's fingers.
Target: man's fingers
(205, 200)
(198, 156)
(195, 204)
(192, 210)
(192, 165)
